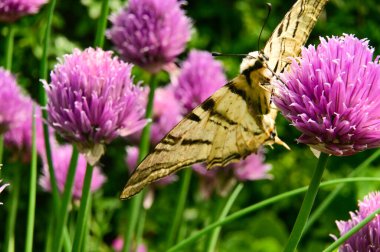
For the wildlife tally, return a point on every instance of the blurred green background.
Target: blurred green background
(225, 26)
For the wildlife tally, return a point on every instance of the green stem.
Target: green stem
(32, 189)
(223, 214)
(42, 99)
(307, 204)
(13, 204)
(259, 205)
(352, 231)
(140, 227)
(45, 50)
(180, 207)
(143, 151)
(84, 210)
(327, 201)
(102, 24)
(66, 198)
(9, 47)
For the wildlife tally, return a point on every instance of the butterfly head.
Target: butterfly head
(254, 61)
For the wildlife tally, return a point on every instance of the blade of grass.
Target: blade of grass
(257, 206)
(327, 201)
(230, 201)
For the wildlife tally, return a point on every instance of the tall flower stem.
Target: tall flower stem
(32, 189)
(9, 47)
(42, 101)
(84, 210)
(102, 24)
(230, 201)
(66, 198)
(307, 204)
(136, 202)
(327, 201)
(243, 212)
(180, 207)
(12, 212)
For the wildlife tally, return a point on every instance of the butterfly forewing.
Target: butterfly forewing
(237, 119)
(292, 33)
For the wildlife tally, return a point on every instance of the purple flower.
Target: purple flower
(199, 78)
(222, 179)
(150, 33)
(92, 100)
(331, 95)
(19, 136)
(61, 160)
(2, 187)
(368, 238)
(11, 101)
(11, 10)
(166, 114)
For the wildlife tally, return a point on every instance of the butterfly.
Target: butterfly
(238, 118)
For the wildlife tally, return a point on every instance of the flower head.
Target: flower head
(221, 179)
(11, 10)
(368, 238)
(11, 101)
(150, 33)
(331, 96)
(2, 187)
(199, 78)
(92, 100)
(166, 114)
(19, 136)
(61, 160)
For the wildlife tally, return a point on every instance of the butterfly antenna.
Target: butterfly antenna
(218, 54)
(265, 22)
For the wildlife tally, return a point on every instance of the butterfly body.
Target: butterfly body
(237, 119)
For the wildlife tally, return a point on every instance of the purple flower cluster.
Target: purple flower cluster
(199, 78)
(331, 94)
(61, 156)
(150, 33)
(92, 100)
(11, 101)
(19, 136)
(368, 238)
(11, 10)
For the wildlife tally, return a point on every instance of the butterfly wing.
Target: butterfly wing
(222, 129)
(292, 33)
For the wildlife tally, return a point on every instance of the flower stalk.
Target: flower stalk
(84, 210)
(66, 198)
(32, 189)
(307, 204)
